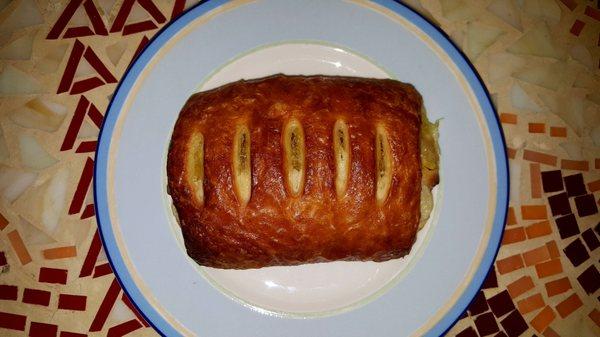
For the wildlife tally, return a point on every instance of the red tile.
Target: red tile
(105, 306)
(124, 328)
(12, 321)
(53, 275)
(577, 27)
(92, 255)
(72, 302)
(35, 296)
(42, 330)
(508, 118)
(8, 292)
(592, 12)
(556, 131)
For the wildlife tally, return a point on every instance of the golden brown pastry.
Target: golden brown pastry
(287, 170)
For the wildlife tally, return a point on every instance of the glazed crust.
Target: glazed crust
(276, 227)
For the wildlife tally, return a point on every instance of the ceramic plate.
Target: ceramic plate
(218, 42)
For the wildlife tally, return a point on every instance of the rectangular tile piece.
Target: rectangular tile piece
(513, 235)
(8, 292)
(590, 279)
(541, 321)
(520, 286)
(552, 181)
(534, 212)
(574, 184)
(590, 238)
(569, 305)
(12, 321)
(538, 229)
(486, 324)
(549, 268)
(586, 205)
(60, 253)
(559, 204)
(567, 226)
(514, 324)
(509, 264)
(536, 255)
(535, 180)
(531, 303)
(558, 286)
(501, 304)
(575, 165)
(553, 249)
(42, 330)
(72, 302)
(576, 252)
(53, 275)
(556, 131)
(478, 304)
(19, 247)
(35, 296)
(540, 157)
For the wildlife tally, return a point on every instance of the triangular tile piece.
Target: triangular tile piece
(72, 13)
(480, 37)
(537, 42)
(33, 154)
(15, 82)
(25, 14)
(19, 49)
(507, 11)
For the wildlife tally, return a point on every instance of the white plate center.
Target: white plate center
(315, 289)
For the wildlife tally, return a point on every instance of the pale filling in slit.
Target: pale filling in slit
(195, 165)
(383, 163)
(341, 150)
(241, 164)
(293, 144)
(429, 165)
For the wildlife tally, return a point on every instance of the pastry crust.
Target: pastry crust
(298, 209)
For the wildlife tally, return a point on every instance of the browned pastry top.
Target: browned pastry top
(277, 134)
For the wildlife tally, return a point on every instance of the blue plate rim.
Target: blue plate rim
(150, 314)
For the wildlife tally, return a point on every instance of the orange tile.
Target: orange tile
(594, 186)
(60, 252)
(556, 131)
(511, 153)
(576, 165)
(534, 212)
(530, 304)
(550, 333)
(541, 321)
(595, 316)
(535, 178)
(540, 157)
(19, 247)
(553, 249)
(559, 286)
(548, 268)
(538, 229)
(520, 286)
(3, 222)
(508, 118)
(511, 219)
(569, 305)
(536, 255)
(512, 235)
(537, 128)
(509, 264)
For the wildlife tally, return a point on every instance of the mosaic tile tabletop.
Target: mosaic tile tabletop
(60, 62)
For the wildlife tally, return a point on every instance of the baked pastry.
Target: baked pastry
(287, 170)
